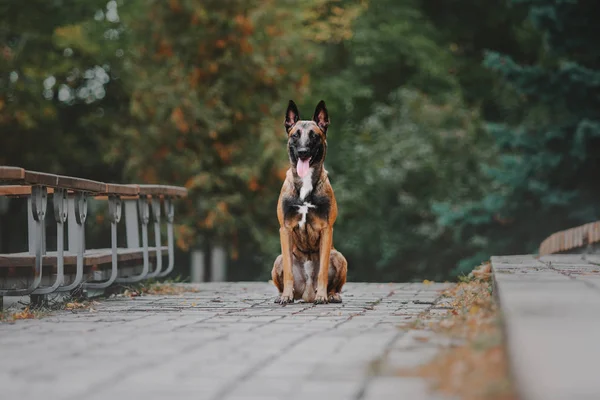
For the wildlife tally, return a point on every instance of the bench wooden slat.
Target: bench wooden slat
(41, 178)
(104, 256)
(122, 190)
(18, 190)
(163, 190)
(91, 257)
(28, 260)
(70, 182)
(65, 182)
(11, 173)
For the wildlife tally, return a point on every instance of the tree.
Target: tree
(54, 87)
(402, 139)
(209, 82)
(409, 154)
(546, 177)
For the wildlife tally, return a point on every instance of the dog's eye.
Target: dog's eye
(295, 135)
(312, 134)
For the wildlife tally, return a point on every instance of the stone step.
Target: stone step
(551, 310)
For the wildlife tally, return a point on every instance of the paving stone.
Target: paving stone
(225, 341)
(394, 388)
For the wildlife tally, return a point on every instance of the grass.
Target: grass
(29, 311)
(477, 368)
(165, 288)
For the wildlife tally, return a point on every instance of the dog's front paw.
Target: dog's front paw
(285, 298)
(321, 297)
(335, 298)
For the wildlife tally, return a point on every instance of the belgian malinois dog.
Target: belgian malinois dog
(307, 211)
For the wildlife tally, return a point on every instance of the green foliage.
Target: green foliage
(209, 83)
(411, 153)
(546, 176)
(50, 87)
(193, 92)
(407, 141)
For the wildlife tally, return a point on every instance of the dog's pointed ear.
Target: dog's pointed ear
(291, 115)
(321, 116)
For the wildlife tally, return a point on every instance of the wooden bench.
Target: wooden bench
(580, 239)
(69, 197)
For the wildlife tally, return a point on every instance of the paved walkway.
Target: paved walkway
(551, 308)
(227, 341)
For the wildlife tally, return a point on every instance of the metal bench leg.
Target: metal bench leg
(114, 215)
(39, 199)
(144, 212)
(170, 216)
(156, 217)
(60, 215)
(80, 211)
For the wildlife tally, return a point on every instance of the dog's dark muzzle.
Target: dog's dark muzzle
(303, 153)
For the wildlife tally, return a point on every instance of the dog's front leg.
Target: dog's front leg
(285, 236)
(324, 253)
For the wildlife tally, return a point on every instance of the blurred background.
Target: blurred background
(459, 128)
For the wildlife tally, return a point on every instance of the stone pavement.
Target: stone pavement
(551, 309)
(226, 341)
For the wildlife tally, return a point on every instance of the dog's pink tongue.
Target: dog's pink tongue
(302, 167)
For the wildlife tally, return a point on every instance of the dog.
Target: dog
(308, 268)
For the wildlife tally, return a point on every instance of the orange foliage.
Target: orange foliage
(272, 30)
(164, 49)
(281, 173)
(149, 175)
(245, 46)
(175, 5)
(223, 151)
(190, 183)
(194, 77)
(304, 81)
(253, 184)
(185, 236)
(219, 44)
(161, 153)
(209, 221)
(179, 120)
(244, 24)
(222, 206)
(213, 67)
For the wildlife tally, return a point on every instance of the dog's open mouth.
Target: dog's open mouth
(302, 167)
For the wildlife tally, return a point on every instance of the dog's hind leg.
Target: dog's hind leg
(299, 278)
(338, 268)
(277, 275)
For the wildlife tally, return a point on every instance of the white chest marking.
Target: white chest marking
(303, 209)
(307, 186)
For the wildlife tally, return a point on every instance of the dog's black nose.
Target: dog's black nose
(303, 154)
